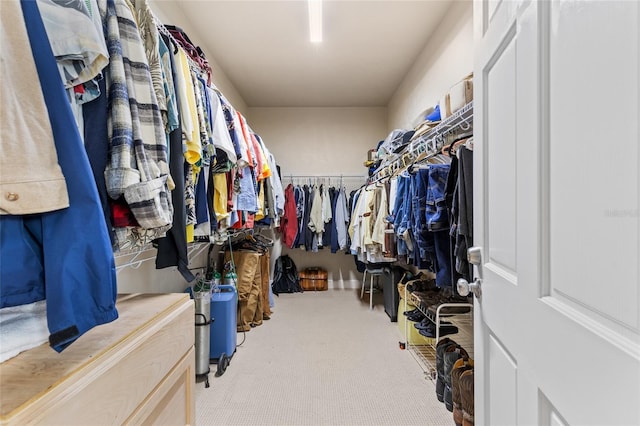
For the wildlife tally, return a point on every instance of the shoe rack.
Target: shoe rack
(425, 353)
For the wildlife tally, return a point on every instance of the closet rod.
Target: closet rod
(325, 176)
(134, 258)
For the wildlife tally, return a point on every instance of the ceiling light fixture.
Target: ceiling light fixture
(315, 21)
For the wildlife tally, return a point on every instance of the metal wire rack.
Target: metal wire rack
(427, 145)
(425, 353)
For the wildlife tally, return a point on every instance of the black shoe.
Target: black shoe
(445, 330)
(417, 317)
(424, 324)
(427, 324)
(411, 312)
(443, 346)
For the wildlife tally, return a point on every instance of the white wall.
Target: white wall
(170, 12)
(137, 273)
(322, 141)
(445, 60)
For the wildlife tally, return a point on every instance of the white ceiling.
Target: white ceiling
(263, 47)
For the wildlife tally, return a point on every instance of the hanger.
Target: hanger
(439, 159)
(465, 125)
(469, 144)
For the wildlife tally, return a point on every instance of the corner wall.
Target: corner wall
(321, 142)
(445, 60)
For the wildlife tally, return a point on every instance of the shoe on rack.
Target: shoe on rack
(430, 327)
(426, 297)
(466, 397)
(424, 324)
(416, 317)
(450, 359)
(446, 296)
(422, 284)
(459, 367)
(446, 329)
(441, 347)
(411, 312)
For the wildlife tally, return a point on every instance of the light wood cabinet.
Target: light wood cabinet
(139, 369)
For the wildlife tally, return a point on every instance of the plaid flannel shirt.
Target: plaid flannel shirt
(137, 167)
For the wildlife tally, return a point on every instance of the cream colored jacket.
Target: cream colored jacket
(31, 181)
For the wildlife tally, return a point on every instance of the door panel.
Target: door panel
(492, 6)
(549, 416)
(500, 234)
(502, 385)
(605, 215)
(558, 322)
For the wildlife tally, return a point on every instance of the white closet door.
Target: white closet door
(556, 183)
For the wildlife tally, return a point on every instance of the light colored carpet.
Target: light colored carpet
(323, 359)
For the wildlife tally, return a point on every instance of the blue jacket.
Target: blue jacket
(64, 256)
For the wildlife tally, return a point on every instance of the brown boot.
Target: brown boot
(458, 368)
(450, 358)
(466, 397)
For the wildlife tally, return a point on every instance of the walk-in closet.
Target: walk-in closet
(319, 212)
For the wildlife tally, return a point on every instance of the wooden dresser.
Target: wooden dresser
(139, 369)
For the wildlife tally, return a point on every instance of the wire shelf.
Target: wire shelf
(427, 145)
(425, 353)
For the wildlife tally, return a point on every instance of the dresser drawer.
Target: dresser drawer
(111, 373)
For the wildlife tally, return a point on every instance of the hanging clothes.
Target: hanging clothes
(316, 222)
(342, 219)
(77, 41)
(137, 170)
(328, 207)
(149, 35)
(464, 230)
(41, 187)
(301, 213)
(220, 133)
(289, 222)
(172, 249)
(50, 247)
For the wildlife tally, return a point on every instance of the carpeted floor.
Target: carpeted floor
(323, 359)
